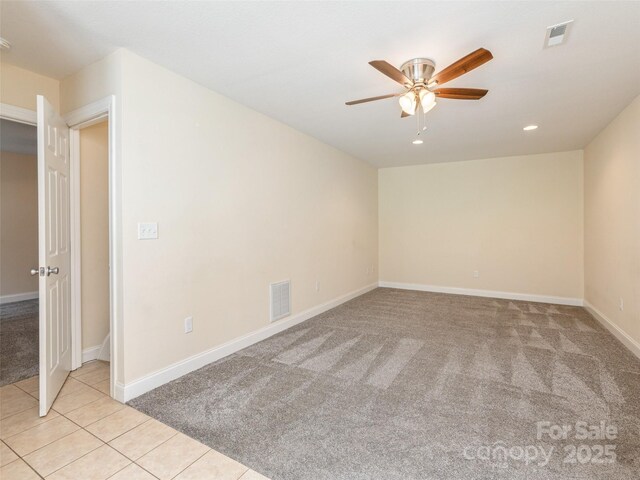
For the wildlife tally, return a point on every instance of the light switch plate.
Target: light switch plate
(148, 231)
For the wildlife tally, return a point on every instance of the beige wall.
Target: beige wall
(516, 220)
(18, 223)
(612, 221)
(19, 87)
(92, 83)
(94, 213)
(19, 251)
(241, 201)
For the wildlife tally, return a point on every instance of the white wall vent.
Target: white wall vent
(280, 300)
(557, 34)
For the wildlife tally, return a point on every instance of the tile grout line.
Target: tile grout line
(81, 456)
(134, 462)
(103, 443)
(123, 433)
(130, 459)
(130, 430)
(40, 448)
(157, 446)
(93, 386)
(18, 413)
(25, 391)
(180, 472)
(126, 466)
(60, 415)
(93, 435)
(79, 428)
(86, 405)
(23, 461)
(90, 384)
(100, 419)
(98, 366)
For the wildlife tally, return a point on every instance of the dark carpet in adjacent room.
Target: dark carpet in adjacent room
(403, 385)
(18, 341)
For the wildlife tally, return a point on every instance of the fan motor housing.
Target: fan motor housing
(419, 70)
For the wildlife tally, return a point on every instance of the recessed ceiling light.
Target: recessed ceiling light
(530, 127)
(417, 141)
(4, 44)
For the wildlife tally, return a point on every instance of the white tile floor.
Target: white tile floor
(89, 436)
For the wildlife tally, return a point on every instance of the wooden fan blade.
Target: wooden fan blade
(461, 93)
(462, 66)
(371, 99)
(390, 71)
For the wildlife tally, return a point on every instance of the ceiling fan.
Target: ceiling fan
(422, 86)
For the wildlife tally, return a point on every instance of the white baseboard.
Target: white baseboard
(105, 349)
(91, 353)
(99, 352)
(124, 393)
(577, 302)
(18, 297)
(119, 393)
(617, 332)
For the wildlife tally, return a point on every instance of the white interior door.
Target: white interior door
(54, 253)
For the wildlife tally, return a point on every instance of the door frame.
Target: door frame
(77, 119)
(18, 114)
(104, 109)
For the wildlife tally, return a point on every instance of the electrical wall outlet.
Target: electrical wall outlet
(188, 325)
(148, 231)
(476, 274)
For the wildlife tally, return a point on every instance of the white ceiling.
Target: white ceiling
(18, 138)
(299, 62)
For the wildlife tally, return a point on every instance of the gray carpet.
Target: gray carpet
(413, 385)
(18, 341)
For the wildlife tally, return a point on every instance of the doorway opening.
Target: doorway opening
(91, 294)
(18, 251)
(95, 247)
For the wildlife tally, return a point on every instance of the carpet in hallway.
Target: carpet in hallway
(18, 341)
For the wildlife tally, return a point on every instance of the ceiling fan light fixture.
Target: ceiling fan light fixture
(408, 103)
(429, 107)
(421, 86)
(427, 99)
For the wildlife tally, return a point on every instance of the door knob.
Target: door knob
(34, 271)
(51, 270)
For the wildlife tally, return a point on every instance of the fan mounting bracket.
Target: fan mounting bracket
(418, 70)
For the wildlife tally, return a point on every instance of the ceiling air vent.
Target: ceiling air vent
(557, 34)
(280, 300)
